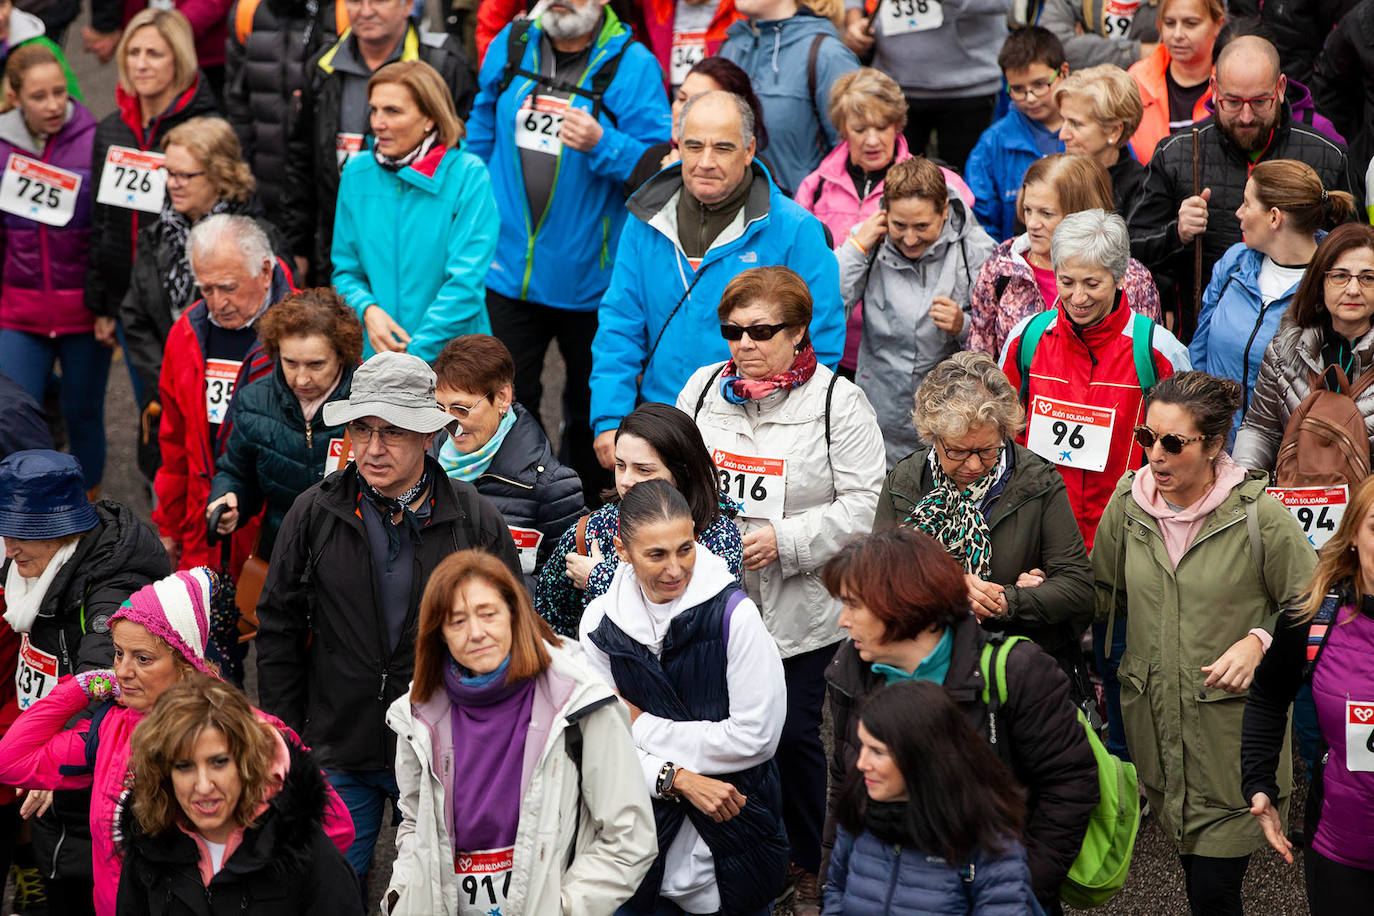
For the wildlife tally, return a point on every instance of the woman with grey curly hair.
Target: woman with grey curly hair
(1001, 510)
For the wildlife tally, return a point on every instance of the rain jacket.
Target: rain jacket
(996, 167)
(1154, 93)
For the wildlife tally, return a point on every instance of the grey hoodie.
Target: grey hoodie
(900, 342)
(958, 60)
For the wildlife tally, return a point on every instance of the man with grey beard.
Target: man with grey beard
(567, 104)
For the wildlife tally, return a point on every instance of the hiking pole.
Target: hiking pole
(1197, 240)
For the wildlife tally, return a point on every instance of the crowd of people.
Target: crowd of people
(997, 378)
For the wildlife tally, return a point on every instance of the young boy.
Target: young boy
(1032, 59)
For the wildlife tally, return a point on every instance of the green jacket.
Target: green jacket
(1032, 526)
(1184, 738)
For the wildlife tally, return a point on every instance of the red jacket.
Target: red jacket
(658, 30)
(1094, 366)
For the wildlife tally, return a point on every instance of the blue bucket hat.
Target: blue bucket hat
(43, 495)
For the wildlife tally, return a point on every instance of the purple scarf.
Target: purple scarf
(491, 720)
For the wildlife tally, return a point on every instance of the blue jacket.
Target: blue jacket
(564, 258)
(868, 877)
(417, 242)
(652, 275)
(995, 169)
(1234, 325)
(775, 55)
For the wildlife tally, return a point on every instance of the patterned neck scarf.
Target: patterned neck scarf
(172, 231)
(738, 390)
(390, 507)
(471, 466)
(951, 516)
(395, 164)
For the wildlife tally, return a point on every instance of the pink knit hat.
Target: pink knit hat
(177, 610)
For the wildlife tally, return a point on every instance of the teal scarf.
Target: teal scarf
(470, 467)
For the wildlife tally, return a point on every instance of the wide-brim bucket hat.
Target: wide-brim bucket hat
(43, 495)
(396, 387)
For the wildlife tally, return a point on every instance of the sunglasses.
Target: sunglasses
(1146, 438)
(755, 331)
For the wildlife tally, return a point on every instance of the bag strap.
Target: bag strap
(92, 743)
(580, 536)
(705, 390)
(701, 269)
(731, 603)
(1252, 527)
(1025, 348)
(572, 743)
(347, 448)
(812, 58)
(516, 42)
(243, 19)
(1324, 618)
(992, 662)
(1143, 351)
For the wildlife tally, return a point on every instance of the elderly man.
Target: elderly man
(211, 348)
(333, 122)
(1252, 123)
(692, 230)
(337, 616)
(568, 104)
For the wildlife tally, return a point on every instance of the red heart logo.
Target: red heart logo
(465, 863)
(1363, 713)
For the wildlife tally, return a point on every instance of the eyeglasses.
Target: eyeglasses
(1037, 88)
(1339, 278)
(1146, 439)
(756, 332)
(989, 455)
(391, 435)
(181, 177)
(1259, 105)
(461, 412)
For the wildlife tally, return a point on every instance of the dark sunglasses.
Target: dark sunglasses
(1146, 438)
(755, 331)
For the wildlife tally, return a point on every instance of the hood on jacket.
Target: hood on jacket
(24, 26)
(624, 602)
(960, 226)
(15, 132)
(777, 35)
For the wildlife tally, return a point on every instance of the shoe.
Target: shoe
(1144, 807)
(29, 897)
(807, 899)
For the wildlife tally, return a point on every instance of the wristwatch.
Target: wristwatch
(666, 774)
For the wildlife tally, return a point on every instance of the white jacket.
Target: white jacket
(830, 494)
(616, 840)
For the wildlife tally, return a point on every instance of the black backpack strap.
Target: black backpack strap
(516, 40)
(671, 315)
(320, 529)
(812, 58)
(92, 743)
(829, 396)
(572, 743)
(706, 389)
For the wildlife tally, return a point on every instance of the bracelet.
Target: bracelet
(855, 242)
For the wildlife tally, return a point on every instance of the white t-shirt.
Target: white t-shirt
(216, 855)
(1275, 280)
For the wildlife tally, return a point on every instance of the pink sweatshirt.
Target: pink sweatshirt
(1180, 528)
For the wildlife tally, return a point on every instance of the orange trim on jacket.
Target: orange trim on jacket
(1154, 93)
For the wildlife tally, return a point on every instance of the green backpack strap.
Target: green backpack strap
(994, 661)
(1025, 348)
(1143, 350)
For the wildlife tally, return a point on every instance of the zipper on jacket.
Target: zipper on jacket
(57, 850)
(605, 239)
(1245, 360)
(896, 872)
(381, 691)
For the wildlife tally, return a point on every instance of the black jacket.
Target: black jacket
(1049, 749)
(1127, 176)
(312, 166)
(530, 488)
(22, 422)
(283, 866)
(1299, 27)
(325, 667)
(115, 229)
(264, 76)
(1224, 168)
(1343, 84)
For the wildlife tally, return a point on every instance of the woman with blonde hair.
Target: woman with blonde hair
(159, 88)
(503, 810)
(416, 224)
(223, 805)
(1101, 109)
(1018, 280)
(1175, 80)
(1325, 643)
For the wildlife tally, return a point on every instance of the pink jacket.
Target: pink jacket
(39, 752)
(829, 194)
(994, 316)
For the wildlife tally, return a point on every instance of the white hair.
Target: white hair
(1093, 237)
(746, 114)
(224, 229)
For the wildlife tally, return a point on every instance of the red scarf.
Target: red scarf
(737, 390)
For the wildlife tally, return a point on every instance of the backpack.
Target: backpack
(1325, 442)
(1099, 872)
(516, 40)
(1142, 349)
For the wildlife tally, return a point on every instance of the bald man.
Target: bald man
(1252, 123)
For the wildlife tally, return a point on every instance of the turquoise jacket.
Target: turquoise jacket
(417, 242)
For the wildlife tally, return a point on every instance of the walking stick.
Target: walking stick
(1197, 241)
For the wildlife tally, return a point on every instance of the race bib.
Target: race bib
(483, 881)
(537, 123)
(132, 179)
(1359, 737)
(758, 483)
(527, 542)
(346, 146)
(219, 387)
(38, 191)
(899, 17)
(337, 460)
(1117, 16)
(689, 49)
(1318, 509)
(1069, 434)
(36, 675)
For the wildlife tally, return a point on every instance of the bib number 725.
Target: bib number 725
(43, 194)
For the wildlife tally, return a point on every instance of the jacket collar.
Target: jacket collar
(835, 166)
(339, 494)
(524, 453)
(1309, 348)
(132, 115)
(656, 204)
(852, 676)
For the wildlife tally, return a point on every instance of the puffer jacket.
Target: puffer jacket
(1080, 27)
(994, 316)
(900, 342)
(264, 67)
(776, 56)
(1031, 526)
(44, 275)
(1150, 78)
(1283, 382)
(586, 833)
(1299, 28)
(996, 167)
(1235, 325)
(313, 168)
(1343, 81)
(830, 489)
(282, 865)
(263, 462)
(1047, 746)
(1184, 737)
(869, 877)
(114, 230)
